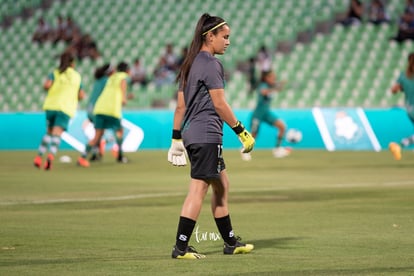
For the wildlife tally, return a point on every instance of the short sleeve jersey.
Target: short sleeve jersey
(97, 89)
(201, 122)
(407, 86)
(263, 101)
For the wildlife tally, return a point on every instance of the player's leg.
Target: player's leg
(280, 125)
(61, 123)
(189, 214)
(396, 148)
(200, 156)
(119, 138)
(89, 130)
(54, 146)
(408, 141)
(220, 210)
(100, 123)
(43, 148)
(90, 147)
(279, 151)
(46, 139)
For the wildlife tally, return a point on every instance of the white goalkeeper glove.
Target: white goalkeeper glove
(177, 153)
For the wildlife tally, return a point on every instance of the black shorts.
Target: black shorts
(206, 160)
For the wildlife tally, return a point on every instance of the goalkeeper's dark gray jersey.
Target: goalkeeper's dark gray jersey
(201, 122)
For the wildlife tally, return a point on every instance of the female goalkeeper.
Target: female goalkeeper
(405, 84)
(199, 116)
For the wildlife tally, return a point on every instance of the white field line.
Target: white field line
(90, 199)
(160, 195)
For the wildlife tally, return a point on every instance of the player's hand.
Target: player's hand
(247, 141)
(177, 153)
(245, 137)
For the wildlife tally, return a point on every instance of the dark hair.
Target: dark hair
(410, 66)
(122, 67)
(265, 74)
(102, 71)
(204, 24)
(66, 60)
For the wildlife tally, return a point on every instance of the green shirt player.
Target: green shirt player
(263, 114)
(101, 76)
(108, 112)
(405, 84)
(64, 90)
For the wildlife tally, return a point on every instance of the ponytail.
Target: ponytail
(410, 66)
(205, 24)
(66, 60)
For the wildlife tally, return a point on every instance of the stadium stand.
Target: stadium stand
(325, 64)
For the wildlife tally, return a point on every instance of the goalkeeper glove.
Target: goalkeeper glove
(245, 137)
(177, 153)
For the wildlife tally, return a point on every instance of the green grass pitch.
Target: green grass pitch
(313, 213)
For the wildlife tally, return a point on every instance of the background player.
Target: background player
(101, 76)
(108, 112)
(64, 90)
(263, 114)
(405, 84)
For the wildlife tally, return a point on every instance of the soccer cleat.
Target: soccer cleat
(189, 253)
(281, 152)
(238, 248)
(37, 162)
(122, 159)
(95, 157)
(395, 150)
(83, 162)
(246, 156)
(49, 159)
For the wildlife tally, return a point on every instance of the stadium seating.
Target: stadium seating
(352, 66)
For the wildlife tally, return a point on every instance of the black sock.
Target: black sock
(184, 231)
(226, 230)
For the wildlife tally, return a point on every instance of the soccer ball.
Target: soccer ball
(294, 136)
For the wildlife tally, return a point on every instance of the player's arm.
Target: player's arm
(48, 82)
(225, 112)
(124, 86)
(81, 93)
(179, 111)
(266, 92)
(176, 153)
(130, 96)
(277, 87)
(223, 109)
(396, 88)
(280, 85)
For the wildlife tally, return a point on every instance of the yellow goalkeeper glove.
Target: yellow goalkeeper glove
(245, 137)
(177, 152)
